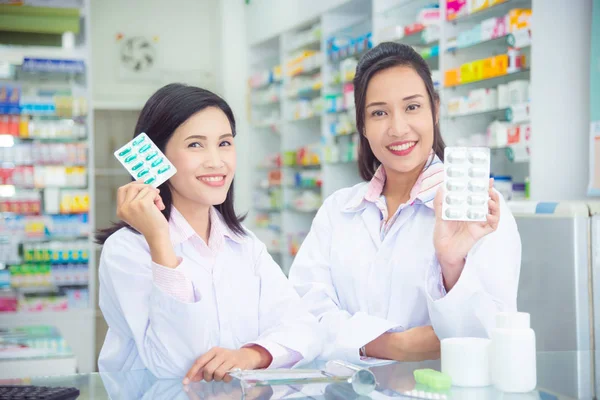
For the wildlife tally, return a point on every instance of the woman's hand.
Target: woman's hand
(454, 239)
(416, 344)
(140, 206)
(215, 363)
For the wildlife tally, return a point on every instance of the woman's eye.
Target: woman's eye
(413, 107)
(195, 145)
(378, 113)
(225, 143)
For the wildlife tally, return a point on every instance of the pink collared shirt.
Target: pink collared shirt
(174, 281)
(423, 191)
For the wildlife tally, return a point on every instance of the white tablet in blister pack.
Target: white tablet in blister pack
(144, 161)
(466, 183)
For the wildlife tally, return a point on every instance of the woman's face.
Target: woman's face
(398, 122)
(202, 149)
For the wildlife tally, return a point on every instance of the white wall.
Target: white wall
(560, 87)
(188, 45)
(268, 18)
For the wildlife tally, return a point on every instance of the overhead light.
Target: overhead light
(7, 141)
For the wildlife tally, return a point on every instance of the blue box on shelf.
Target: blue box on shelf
(50, 65)
(10, 97)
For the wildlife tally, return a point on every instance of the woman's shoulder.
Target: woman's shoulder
(346, 197)
(125, 239)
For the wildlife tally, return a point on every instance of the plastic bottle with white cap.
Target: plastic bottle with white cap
(513, 357)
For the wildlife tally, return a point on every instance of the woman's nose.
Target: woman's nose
(400, 125)
(214, 160)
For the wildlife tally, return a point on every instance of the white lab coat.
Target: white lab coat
(360, 286)
(244, 298)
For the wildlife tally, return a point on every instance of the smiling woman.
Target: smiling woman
(183, 285)
(382, 271)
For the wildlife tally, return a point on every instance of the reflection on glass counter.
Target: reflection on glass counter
(556, 380)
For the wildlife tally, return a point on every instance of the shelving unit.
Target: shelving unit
(265, 122)
(488, 35)
(47, 262)
(348, 31)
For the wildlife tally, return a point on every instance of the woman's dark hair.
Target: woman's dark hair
(383, 56)
(162, 114)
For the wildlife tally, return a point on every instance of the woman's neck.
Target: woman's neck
(398, 186)
(196, 215)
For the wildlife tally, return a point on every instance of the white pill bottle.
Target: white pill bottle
(513, 354)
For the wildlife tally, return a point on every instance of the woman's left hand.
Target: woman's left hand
(454, 239)
(217, 362)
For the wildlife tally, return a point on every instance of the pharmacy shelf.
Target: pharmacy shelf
(268, 210)
(292, 187)
(118, 105)
(496, 10)
(16, 54)
(19, 317)
(267, 125)
(517, 113)
(314, 44)
(503, 114)
(305, 93)
(464, 129)
(77, 325)
(415, 39)
(494, 81)
(304, 119)
(506, 40)
(274, 103)
(111, 172)
(303, 167)
(54, 238)
(307, 72)
(265, 85)
(353, 19)
(301, 211)
(341, 162)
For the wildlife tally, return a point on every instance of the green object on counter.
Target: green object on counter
(432, 378)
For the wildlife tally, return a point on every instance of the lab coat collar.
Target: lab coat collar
(422, 192)
(181, 230)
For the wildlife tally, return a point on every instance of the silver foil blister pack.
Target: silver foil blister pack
(466, 183)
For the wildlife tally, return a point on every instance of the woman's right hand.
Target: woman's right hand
(140, 206)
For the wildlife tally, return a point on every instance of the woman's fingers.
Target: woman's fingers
(493, 221)
(208, 372)
(191, 375)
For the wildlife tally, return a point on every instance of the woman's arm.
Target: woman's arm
(416, 344)
(343, 333)
(487, 284)
(168, 334)
(135, 281)
(286, 328)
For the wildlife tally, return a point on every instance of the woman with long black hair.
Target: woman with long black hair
(183, 285)
(384, 273)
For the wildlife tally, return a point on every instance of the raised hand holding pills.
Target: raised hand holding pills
(467, 171)
(144, 161)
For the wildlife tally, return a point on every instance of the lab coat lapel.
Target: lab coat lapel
(371, 218)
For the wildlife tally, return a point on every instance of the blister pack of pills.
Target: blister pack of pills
(144, 160)
(466, 183)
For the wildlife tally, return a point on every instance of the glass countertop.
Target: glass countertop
(561, 375)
